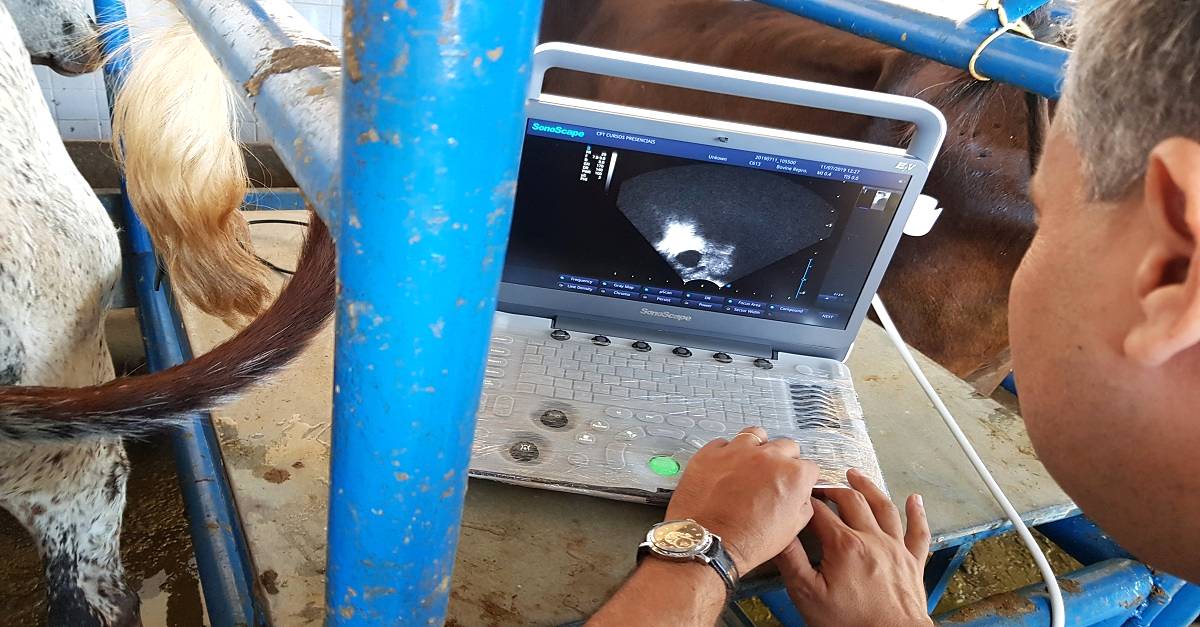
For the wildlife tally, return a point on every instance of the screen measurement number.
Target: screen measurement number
(594, 164)
(839, 172)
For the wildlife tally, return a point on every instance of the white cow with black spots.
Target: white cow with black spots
(62, 466)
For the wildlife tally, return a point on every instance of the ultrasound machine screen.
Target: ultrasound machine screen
(668, 222)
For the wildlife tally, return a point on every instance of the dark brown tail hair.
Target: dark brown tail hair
(136, 406)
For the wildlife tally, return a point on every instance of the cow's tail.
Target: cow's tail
(175, 134)
(174, 131)
(135, 406)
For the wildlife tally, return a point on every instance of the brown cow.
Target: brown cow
(948, 290)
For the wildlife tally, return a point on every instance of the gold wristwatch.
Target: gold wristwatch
(688, 541)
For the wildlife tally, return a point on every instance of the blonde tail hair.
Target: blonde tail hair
(174, 133)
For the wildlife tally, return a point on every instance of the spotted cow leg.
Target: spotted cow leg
(70, 497)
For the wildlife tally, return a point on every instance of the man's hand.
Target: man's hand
(871, 569)
(753, 493)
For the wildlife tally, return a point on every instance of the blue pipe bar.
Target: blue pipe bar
(940, 569)
(1183, 609)
(1107, 591)
(782, 609)
(222, 553)
(1165, 587)
(274, 200)
(1084, 540)
(1012, 59)
(433, 110)
(1014, 9)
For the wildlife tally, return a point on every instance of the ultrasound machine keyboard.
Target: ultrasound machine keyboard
(581, 412)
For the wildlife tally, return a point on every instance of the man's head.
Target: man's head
(1105, 309)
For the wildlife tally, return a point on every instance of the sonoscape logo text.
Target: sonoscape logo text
(558, 130)
(665, 314)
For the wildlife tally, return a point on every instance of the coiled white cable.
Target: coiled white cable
(1057, 612)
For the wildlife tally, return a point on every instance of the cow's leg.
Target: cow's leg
(71, 497)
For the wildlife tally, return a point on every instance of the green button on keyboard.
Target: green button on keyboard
(664, 465)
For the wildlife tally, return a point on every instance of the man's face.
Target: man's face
(1113, 433)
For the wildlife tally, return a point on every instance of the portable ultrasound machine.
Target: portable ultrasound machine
(672, 279)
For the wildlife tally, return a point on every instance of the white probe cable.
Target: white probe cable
(1057, 614)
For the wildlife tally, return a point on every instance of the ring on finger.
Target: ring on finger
(753, 435)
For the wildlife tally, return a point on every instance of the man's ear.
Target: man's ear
(1168, 277)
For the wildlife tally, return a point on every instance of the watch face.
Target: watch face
(679, 536)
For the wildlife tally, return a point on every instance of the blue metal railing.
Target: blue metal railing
(1183, 609)
(222, 555)
(1173, 597)
(1107, 592)
(433, 109)
(1013, 59)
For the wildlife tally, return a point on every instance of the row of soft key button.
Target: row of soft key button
(500, 354)
(594, 372)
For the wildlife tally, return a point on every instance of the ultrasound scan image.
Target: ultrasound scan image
(718, 224)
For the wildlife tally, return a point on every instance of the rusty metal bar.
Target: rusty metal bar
(288, 74)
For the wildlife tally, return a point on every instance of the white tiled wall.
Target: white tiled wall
(80, 106)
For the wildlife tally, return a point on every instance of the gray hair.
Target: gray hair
(1133, 81)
